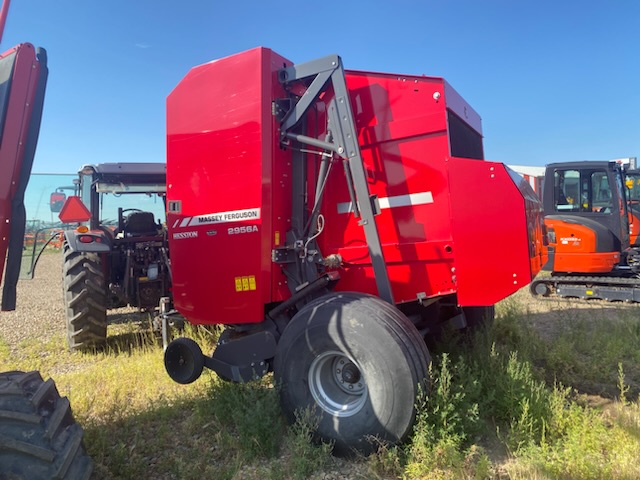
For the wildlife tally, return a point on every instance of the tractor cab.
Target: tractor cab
(112, 192)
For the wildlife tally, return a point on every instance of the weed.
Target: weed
(248, 416)
(305, 456)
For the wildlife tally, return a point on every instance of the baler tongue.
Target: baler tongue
(23, 78)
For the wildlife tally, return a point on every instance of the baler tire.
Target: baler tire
(85, 299)
(387, 354)
(478, 317)
(39, 439)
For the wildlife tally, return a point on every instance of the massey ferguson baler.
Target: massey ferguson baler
(330, 220)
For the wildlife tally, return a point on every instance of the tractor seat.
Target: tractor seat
(140, 224)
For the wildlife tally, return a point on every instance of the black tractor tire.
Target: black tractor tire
(85, 299)
(479, 317)
(357, 364)
(39, 438)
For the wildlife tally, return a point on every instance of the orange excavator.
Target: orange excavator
(590, 215)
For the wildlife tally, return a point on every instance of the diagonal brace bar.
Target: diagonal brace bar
(345, 144)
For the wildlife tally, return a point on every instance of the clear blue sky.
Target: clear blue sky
(552, 80)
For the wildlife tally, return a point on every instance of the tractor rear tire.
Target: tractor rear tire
(39, 438)
(85, 299)
(357, 364)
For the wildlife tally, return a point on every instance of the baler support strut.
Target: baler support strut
(343, 142)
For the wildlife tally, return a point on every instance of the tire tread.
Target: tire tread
(85, 299)
(53, 447)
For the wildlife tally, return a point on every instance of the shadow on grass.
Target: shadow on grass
(231, 431)
(166, 441)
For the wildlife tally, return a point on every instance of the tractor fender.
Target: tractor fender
(101, 244)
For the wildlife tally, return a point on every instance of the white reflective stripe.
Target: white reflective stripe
(421, 198)
(185, 221)
(175, 224)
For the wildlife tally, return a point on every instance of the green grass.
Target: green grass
(504, 402)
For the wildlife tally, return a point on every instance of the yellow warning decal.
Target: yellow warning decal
(277, 238)
(245, 284)
(589, 292)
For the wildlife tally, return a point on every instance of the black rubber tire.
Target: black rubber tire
(478, 317)
(183, 360)
(39, 438)
(85, 299)
(390, 354)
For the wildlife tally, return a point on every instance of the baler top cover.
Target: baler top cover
(234, 208)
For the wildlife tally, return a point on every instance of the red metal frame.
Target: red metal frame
(3, 16)
(17, 122)
(447, 225)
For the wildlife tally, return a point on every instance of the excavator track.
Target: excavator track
(612, 289)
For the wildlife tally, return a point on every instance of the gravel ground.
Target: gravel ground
(40, 311)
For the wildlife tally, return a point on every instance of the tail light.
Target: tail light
(89, 239)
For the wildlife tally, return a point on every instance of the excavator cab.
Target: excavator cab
(589, 214)
(586, 211)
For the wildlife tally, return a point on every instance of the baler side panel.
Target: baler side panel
(219, 130)
(492, 249)
(402, 126)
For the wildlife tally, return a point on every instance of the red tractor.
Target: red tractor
(39, 438)
(331, 221)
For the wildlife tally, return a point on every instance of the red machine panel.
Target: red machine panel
(219, 146)
(19, 127)
(493, 245)
(405, 127)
